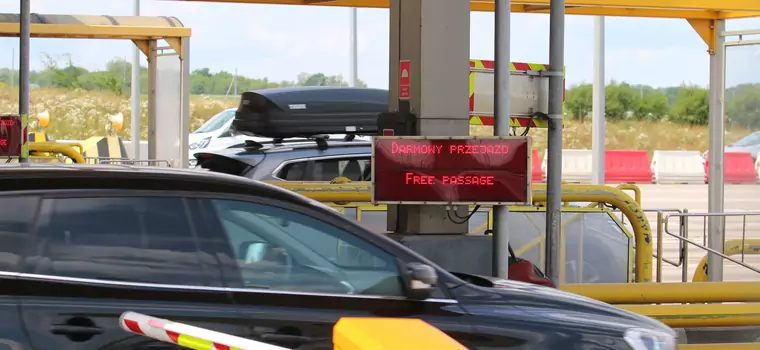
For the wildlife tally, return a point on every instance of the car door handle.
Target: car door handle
(285, 338)
(66, 329)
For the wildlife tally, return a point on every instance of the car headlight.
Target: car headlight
(200, 144)
(645, 339)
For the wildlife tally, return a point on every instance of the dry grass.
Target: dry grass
(630, 135)
(78, 114)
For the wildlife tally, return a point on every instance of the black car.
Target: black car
(79, 245)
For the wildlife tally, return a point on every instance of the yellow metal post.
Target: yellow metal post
(52, 147)
(701, 315)
(616, 293)
(733, 247)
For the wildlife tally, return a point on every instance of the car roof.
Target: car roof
(48, 176)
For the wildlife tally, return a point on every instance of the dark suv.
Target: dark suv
(79, 245)
(293, 160)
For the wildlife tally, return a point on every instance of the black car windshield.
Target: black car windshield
(749, 140)
(216, 122)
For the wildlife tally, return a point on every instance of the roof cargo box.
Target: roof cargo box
(310, 110)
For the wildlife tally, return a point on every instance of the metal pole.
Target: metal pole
(136, 93)
(597, 128)
(715, 231)
(24, 61)
(354, 53)
(234, 81)
(502, 18)
(554, 145)
(13, 67)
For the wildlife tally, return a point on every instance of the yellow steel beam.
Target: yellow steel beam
(710, 5)
(52, 147)
(706, 30)
(96, 31)
(701, 315)
(652, 293)
(697, 9)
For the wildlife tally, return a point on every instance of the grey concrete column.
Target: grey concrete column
(715, 189)
(434, 35)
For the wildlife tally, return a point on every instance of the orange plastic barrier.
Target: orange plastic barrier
(538, 174)
(627, 167)
(739, 168)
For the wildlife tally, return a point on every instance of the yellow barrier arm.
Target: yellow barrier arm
(52, 147)
(733, 247)
(389, 333)
(361, 192)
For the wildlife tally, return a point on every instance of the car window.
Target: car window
(286, 250)
(293, 171)
(216, 122)
(353, 168)
(136, 239)
(17, 216)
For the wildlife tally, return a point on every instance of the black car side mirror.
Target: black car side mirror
(421, 280)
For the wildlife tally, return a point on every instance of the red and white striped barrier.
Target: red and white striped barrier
(187, 336)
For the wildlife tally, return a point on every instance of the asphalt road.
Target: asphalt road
(738, 198)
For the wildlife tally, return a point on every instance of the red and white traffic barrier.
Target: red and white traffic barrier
(187, 336)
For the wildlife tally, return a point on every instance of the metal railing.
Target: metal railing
(682, 251)
(683, 237)
(147, 162)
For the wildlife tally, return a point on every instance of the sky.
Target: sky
(279, 42)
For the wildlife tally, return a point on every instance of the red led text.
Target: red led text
(475, 180)
(3, 142)
(400, 148)
(7, 122)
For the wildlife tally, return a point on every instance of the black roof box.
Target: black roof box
(310, 110)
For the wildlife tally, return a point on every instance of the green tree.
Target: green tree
(743, 105)
(653, 105)
(620, 101)
(692, 105)
(578, 101)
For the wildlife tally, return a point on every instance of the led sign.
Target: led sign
(440, 170)
(11, 135)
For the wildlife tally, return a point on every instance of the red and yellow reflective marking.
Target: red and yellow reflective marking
(25, 136)
(513, 66)
(191, 342)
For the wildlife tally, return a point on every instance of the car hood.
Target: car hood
(750, 149)
(552, 304)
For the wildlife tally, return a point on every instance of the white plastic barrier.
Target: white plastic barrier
(143, 149)
(678, 167)
(576, 165)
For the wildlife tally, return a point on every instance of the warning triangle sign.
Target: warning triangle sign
(405, 73)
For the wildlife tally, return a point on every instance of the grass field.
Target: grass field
(76, 115)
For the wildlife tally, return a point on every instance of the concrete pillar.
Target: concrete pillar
(716, 229)
(434, 35)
